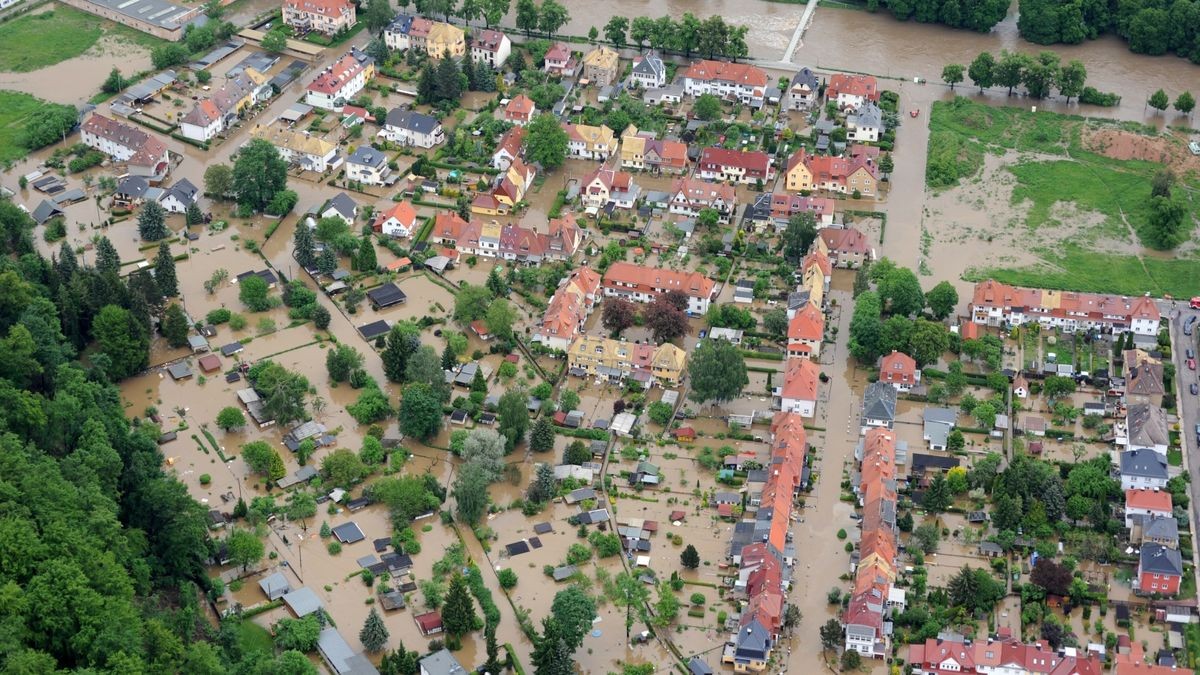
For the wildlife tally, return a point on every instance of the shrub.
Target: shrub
(507, 578)
(697, 598)
(205, 479)
(334, 548)
(841, 534)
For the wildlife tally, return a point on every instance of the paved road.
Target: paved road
(1188, 406)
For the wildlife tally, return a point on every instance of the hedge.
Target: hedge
(766, 356)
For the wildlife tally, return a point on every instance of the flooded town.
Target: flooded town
(750, 336)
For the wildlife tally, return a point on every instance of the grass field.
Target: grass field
(253, 637)
(15, 108)
(42, 39)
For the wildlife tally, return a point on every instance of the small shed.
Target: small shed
(231, 349)
(179, 370)
(429, 623)
(198, 343)
(990, 549)
(349, 533)
(391, 600)
(563, 573)
(209, 363)
(480, 329)
(302, 602)
(374, 329)
(386, 295)
(275, 586)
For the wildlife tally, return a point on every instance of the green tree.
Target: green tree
(448, 84)
(108, 261)
(1010, 69)
(114, 83)
(245, 548)
(274, 42)
(123, 339)
(300, 635)
(942, 299)
(901, 290)
(164, 271)
(230, 418)
(484, 448)
(1158, 100)
(304, 247)
(283, 391)
(1057, 386)
(717, 370)
(403, 340)
(543, 486)
(981, 70)
(937, 497)
(341, 360)
(927, 535)
(470, 493)
(615, 30)
(527, 16)
(379, 14)
(1185, 103)
(425, 366)
(513, 415)
(258, 174)
(218, 181)
(574, 610)
(420, 412)
(551, 653)
(707, 107)
(458, 611)
(545, 141)
(690, 558)
(541, 437)
(952, 74)
(175, 326)
(866, 328)
(1071, 79)
(499, 319)
(471, 303)
(496, 284)
(552, 16)
(193, 215)
(801, 232)
(927, 341)
(152, 222)
(253, 292)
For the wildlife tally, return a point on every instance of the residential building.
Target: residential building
(803, 91)
(520, 110)
(437, 39)
(644, 284)
(844, 175)
(879, 405)
(739, 82)
(690, 196)
(225, 104)
(491, 47)
(999, 655)
(508, 148)
(873, 596)
(296, 147)
(1155, 530)
(865, 125)
(997, 304)
(144, 155)
(773, 211)
(448, 228)
(560, 62)
(1145, 504)
(644, 152)
(369, 166)
(341, 82)
(569, 309)
(395, 36)
(938, 423)
(600, 66)
(1146, 426)
(649, 71)
(512, 185)
(806, 331)
(520, 244)
(179, 196)
(399, 221)
(800, 384)
(203, 122)
(616, 360)
(407, 127)
(1144, 385)
(328, 17)
(588, 142)
(341, 206)
(606, 185)
(735, 166)
(1160, 570)
(750, 649)
(852, 91)
(441, 663)
(846, 247)
(899, 370)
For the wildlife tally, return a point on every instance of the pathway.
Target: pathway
(804, 22)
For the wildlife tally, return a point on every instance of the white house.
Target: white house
(802, 93)
(491, 47)
(341, 206)
(649, 71)
(203, 122)
(412, 128)
(800, 384)
(368, 165)
(395, 36)
(865, 125)
(341, 82)
(400, 221)
(879, 405)
(306, 151)
(1143, 469)
(142, 153)
(179, 196)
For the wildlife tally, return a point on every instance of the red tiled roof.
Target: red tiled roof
(521, 106)
(800, 380)
(331, 8)
(853, 85)
(755, 163)
(808, 324)
(898, 368)
(628, 276)
(1154, 500)
(723, 71)
(332, 80)
(845, 240)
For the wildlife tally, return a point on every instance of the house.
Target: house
(341, 206)
(400, 221)
(731, 335)
(800, 385)
(803, 91)
(369, 166)
(1160, 570)
(569, 309)
(412, 128)
(588, 142)
(690, 196)
(203, 122)
(559, 61)
(778, 208)
(644, 284)
(491, 47)
(600, 66)
(520, 110)
(512, 185)
(1020, 386)
(385, 296)
(845, 175)
(749, 650)
(1000, 654)
(846, 247)
(735, 166)
(396, 34)
(649, 71)
(341, 82)
(341, 659)
(508, 148)
(865, 125)
(852, 91)
(448, 229)
(441, 662)
(275, 586)
(997, 304)
(739, 82)
(899, 370)
(143, 154)
(179, 196)
(429, 623)
(938, 424)
(1146, 425)
(1146, 503)
(1144, 384)
(879, 405)
(1155, 530)
(616, 360)
(606, 185)
(1143, 469)
(640, 152)
(300, 149)
(437, 39)
(1033, 425)
(328, 17)
(518, 243)
(806, 331)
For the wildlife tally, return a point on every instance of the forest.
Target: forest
(977, 15)
(1149, 26)
(101, 551)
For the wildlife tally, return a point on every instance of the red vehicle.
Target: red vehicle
(1195, 303)
(1191, 364)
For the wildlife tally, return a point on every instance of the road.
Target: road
(1188, 406)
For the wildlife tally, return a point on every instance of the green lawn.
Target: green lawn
(1073, 268)
(35, 41)
(15, 108)
(253, 637)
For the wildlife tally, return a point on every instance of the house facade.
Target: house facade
(520, 110)
(399, 222)
(997, 304)
(739, 82)
(368, 166)
(600, 66)
(327, 17)
(569, 309)
(589, 142)
(798, 394)
(899, 370)
(308, 152)
(865, 125)
(690, 196)
(844, 175)
(649, 71)
(803, 91)
(616, 360)
(852, 91)
(846, 247)
(560, 61)
(508, 148)
(491, 47)
(1160, 570)
(412, 128)
(735, 166)
(644, 284)
(806, 331)
(143, 154)
(341, 82)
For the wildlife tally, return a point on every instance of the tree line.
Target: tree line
(977, 15)
(1149, 27)
(1040, 75)
(709, 37)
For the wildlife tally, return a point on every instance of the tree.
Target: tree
(1158, 100)
(576, 453)
(365, 261)
(1165, 223)
(927, 536)
(981, 70)
(717, 371)
(1057, 386)
(640, 29)
(175, 326)
(800, 234)
(1185, 103)
(574, 610)
(545, 141)
(937, 497)
(122, 338)
(942, 299)
(541, 437)
(245, 548)
(1009, 69)
(168, 55)
(402, 341)
(952, 74)
(420, 411)
(258, 174)
(304, 248)
(831, 635)
(615, 30)
(527, 16)
(447, 84)
(300, 635)
(690, 558)
(494, 11)
(1040, 74)
(341, 360)
(108, 261)
(218, 181)
(470, 493)
(374, 634)
(1053, 577)
(707, 107)
(274, 42)
(458, 611)
(230, 418)
(425, 366)
(543, 486)
(927, 341)
(512, 413)
(253, 292)
(901, 290)
(496, 284)
(660, 412)
(471, 303)
(866, 328)
(379, 15)
(152, 222)
(551, 653)
(552, 16)
(1071, 79)
(617, 315)
(114, 83)
(485, 448)
(499, 319)
(665, 320)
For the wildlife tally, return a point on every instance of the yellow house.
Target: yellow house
(814, 281)
(797, 177)
(587, 142)
(445, 39)
(617, 360)
(600, 66)
(668, 363)
(633, 149)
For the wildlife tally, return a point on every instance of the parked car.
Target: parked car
(1189, 353)
(1191, 364)
(1194, 388)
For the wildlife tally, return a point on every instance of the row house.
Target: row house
(615, 361)
(300, 148)
(517, 243)
(851, 92)
(807, 172)
(642, 151)
(774, 210)
(645, 284)
(606, 185)
(224, 105)
(569, 309)
(448, 228)
(435, 38)
(997, 304)
(513, 184)
(601, 66)
(341, 82)
(520, 110)
(328, 17)
(508, 148)
(143, 154)
(846, 247)
(803, 91)
(560, 61)
(816, 273)
(806, 331)
(735, 166)
(690, 196)
(739, 82)
(408, 127)
(588, 142)
(1143, 469)
(1000, 654)
(491, 47)
(801, 381)
(1146, 423)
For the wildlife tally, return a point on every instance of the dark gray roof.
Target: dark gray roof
(1145, 463)
(184, 191)
(179, 370)
(411, 121)
(879, 401)
(348, 533)
(1160, 528)
(651, 64)
(231, 349)
(368, 156)
(343, 204)
(373, 330)
(869, 115)
(45, 211)
(698, 666)
(1161, 560)
(386, 295)
(133, 186)
(806, 77)
(752, 640)
(1147, 425)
